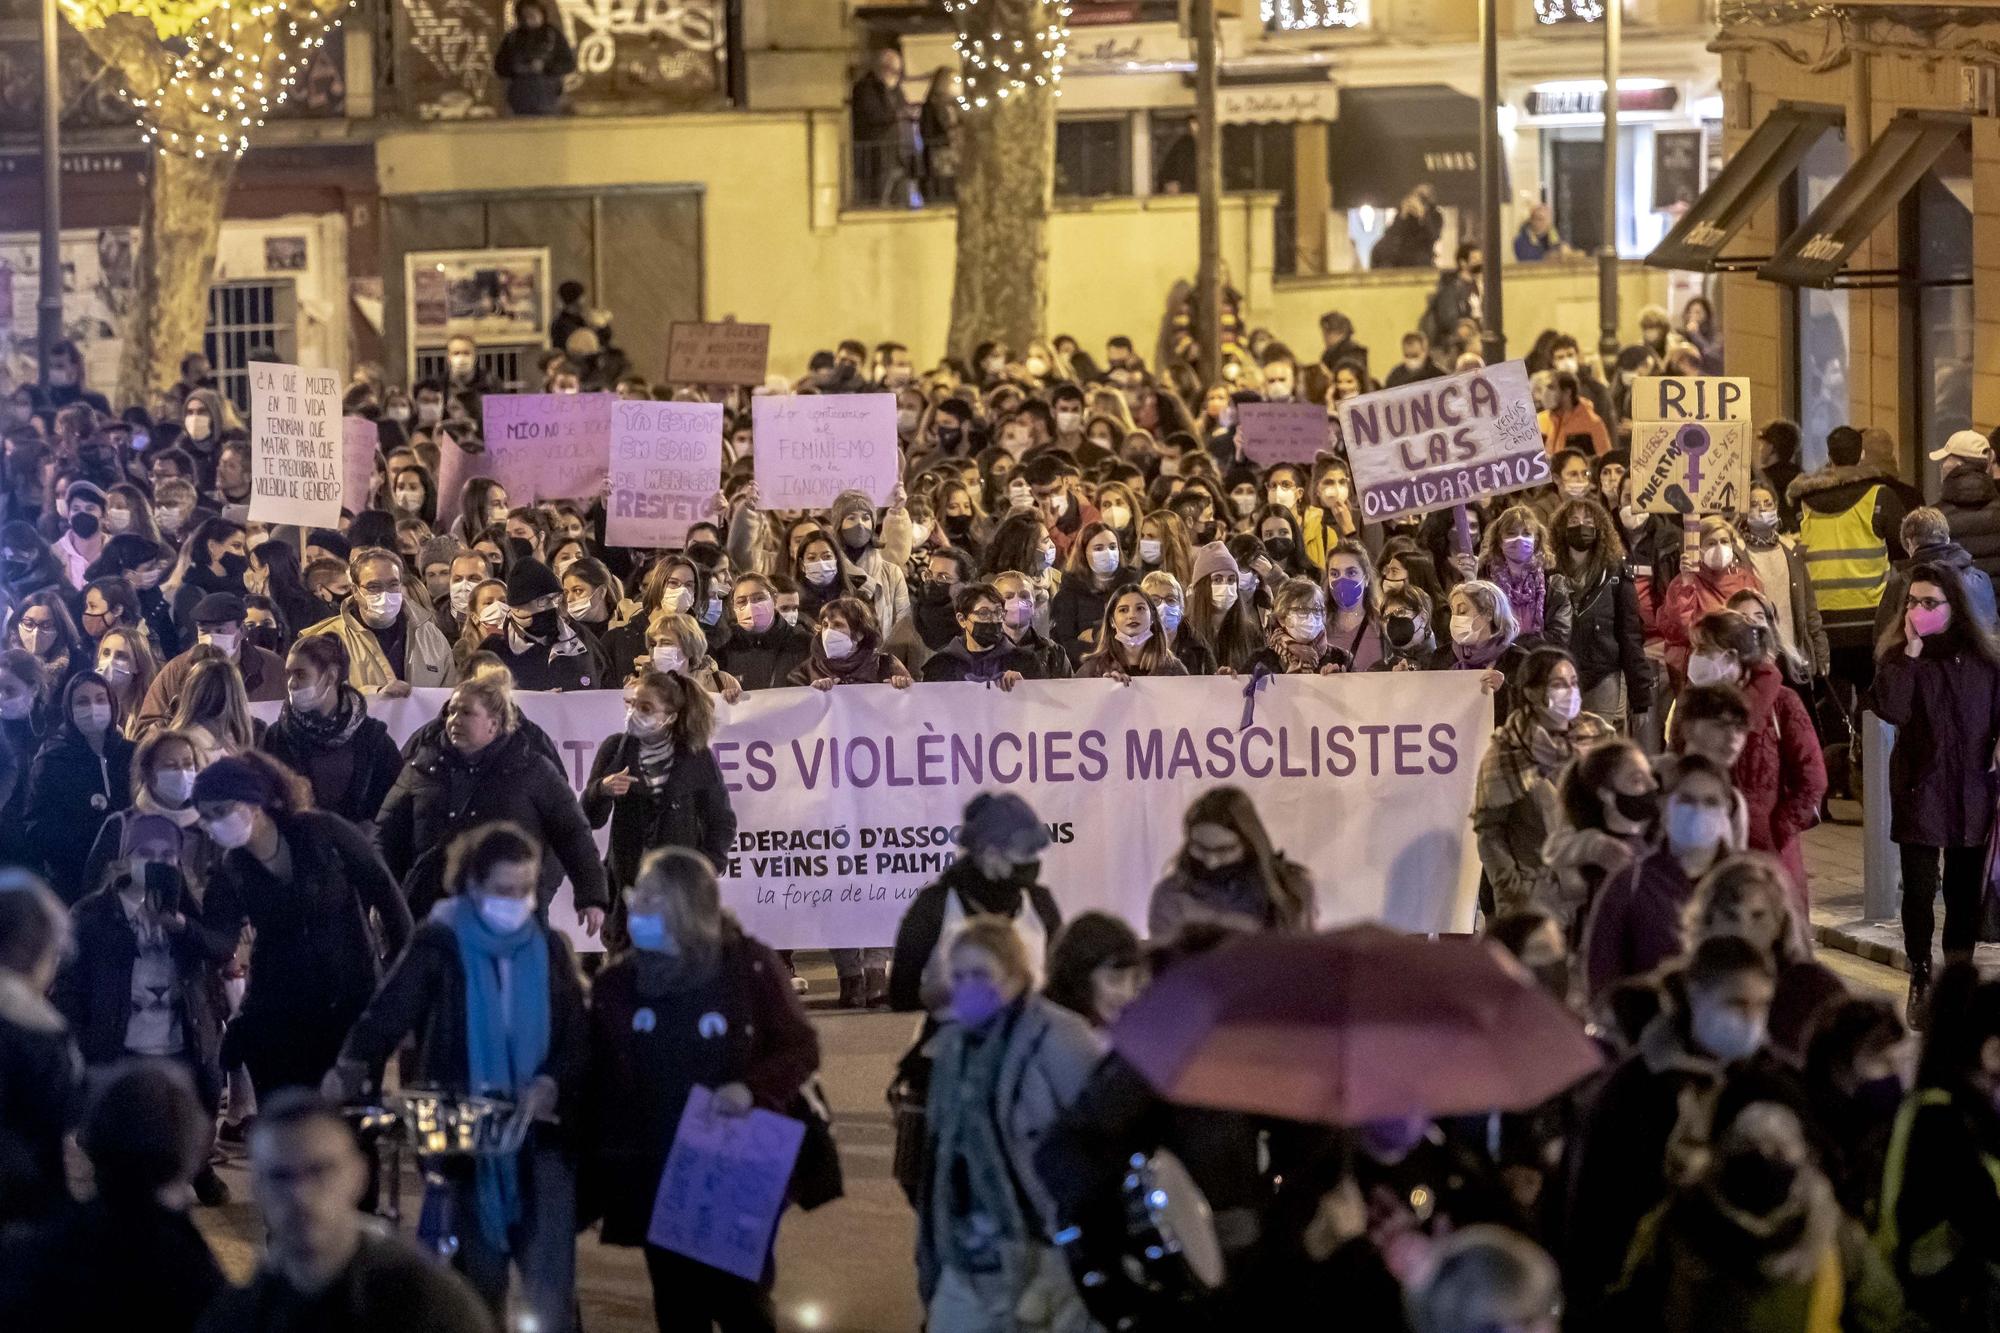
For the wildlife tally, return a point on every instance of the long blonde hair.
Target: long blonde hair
(213, 699)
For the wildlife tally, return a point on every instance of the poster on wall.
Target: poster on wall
(1677, 164)
(493, 296)
(98, 292)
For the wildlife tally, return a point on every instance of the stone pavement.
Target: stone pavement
(1834, 865)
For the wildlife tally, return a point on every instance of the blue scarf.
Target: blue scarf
(507, 1039)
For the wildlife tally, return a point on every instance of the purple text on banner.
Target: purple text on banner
(811, 447)
(1270, 433)
(666, 466)
(359, 438)
(549, 446)
(1445, 441)
(724, 1185)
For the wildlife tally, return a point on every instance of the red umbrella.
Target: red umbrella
(1354, 1025)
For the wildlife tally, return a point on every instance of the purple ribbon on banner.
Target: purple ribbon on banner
(1258, 680)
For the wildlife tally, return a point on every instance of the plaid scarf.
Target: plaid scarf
(1300, 659)
(1524, 753)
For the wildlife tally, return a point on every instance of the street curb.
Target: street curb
(1843, 939)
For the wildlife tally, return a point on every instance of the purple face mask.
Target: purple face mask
(974, 1001)
(761, 615)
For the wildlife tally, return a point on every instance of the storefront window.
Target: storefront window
(1943, 388)
(1820, 353)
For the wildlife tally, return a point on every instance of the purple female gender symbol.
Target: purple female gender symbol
(1692, 440)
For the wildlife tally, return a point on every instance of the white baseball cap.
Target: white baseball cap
(1963, 444)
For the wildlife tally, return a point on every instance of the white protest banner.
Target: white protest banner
(1443, 442)
(1270, 433)
(296, 445)
(548, 446)
(666, 466)
(811, 447)
(1690, 444)
(848, 800)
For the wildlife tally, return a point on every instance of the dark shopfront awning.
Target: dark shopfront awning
(1388, 141)
(1764, 162)
(1813, 255)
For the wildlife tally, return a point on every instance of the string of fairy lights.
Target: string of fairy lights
(223, 73)
(1308, 15)
(994, 66)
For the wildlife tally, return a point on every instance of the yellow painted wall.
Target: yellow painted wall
(779, 250)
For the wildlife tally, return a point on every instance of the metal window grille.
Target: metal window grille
(249, 321)
(502, 364)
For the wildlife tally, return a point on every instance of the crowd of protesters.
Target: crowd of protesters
(261, 913)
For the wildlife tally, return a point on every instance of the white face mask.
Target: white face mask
(1464, 629)
(678, 600)
(505, 915)
(1137, 638)
(1036, 366)
(115, 671)
(224, 639)
(1717, 558)
(173, 786)
(1304, 626)
(643, 724)
(819, 573)
(1565, 365)
(494, 615)
(579, 607)
(1116, 516)
(1711, 669)
(1058, 504)
(1285, 497)
(1224, 594)
(669, 658)
(16, 707)
(461, 595)
(382, 608)
(1694, 827)
(906, 421)
(305, 697)
(91, 718)
(1104, 560)
(1149, 550)
(1413, 363)
(1067, 422)
(232, 830)
(919, 533)
(836, 644)
(1565, 702)
(117, 521)
(409, 501)
(1246, 505)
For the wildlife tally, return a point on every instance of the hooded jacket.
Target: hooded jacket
(1970, 503)
(72, 790)
(1978, 585)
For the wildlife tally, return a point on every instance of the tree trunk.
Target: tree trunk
(1006, 181)
(180, 223)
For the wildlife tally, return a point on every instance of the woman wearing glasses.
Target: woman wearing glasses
(1937, 681)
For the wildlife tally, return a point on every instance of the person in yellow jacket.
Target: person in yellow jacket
(392, 646)
(1850, 513)
(1332, 511)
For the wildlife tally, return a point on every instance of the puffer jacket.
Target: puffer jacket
(1970, 503)
(427, 658)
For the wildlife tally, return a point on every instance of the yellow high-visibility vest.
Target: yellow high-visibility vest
(1847, 562)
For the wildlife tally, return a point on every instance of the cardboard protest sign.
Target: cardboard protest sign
(296, 445)
(717, 353)
(457, 465)
(811, 447)
(666, 466)
(1691, 444)
(548, 446)
(719, 1198)
(1443, 442)
(359, 438)
(1270, 433)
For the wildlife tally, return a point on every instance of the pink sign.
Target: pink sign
(666, 466)
(456, 466)
(358, 441)
(811, 447)
(549, 446)
(1270, 433)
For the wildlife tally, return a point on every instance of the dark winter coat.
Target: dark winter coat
(1951, 557)
(1970, 503)
(100, 1266)
(94, 989)
(441, 794)
(957, 662)
(1781, 773)
(566, 664)
(1638, 920)
(764, 661)
(1946, 1212)
(1053, 662)
(1607, 637)
(691, 811)
(263, 682)
(316, 960)
(349, 777)
(923, 922)
(389, 1288)
(424, 995)
(41, 1096)
(72, 790)
(1236, 898)
(1077, 609)
(642, 1072)
(1945, 706)
(533, 61)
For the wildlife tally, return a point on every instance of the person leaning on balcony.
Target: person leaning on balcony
(533, 58)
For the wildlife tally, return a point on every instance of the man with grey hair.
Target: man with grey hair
(40, 1071)
(1926, 535)
(1486, 1279)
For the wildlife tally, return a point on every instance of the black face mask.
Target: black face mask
(265, 637)
(1757, 1184)
(234, 565)
(1400, 630)
(949, 437)
(1579, 537)
(1641, 809)
(856, 539)
(544, 624)
(934, 592)
(985, 633)
(958, 526)
(84, 524)
(1026, 873)
(1281, 548)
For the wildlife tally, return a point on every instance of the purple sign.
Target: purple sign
(666, 466)
(725, 1181)
(359, 439)
(549, 446)
(1270, 433)
(811, 447)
